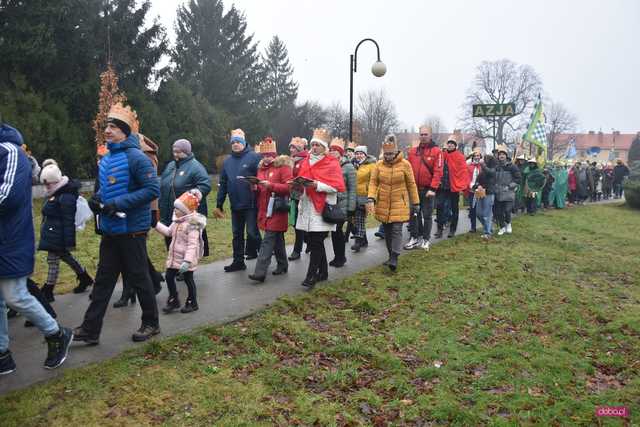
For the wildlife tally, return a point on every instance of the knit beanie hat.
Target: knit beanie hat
(189, 201)
(50, 174)
(182, 145)
(361, 149)
(322, 137)
(48, 162)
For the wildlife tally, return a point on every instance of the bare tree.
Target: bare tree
(337, 120)
(501, 82)
(377, 116)
(558, 120)
(437, 125)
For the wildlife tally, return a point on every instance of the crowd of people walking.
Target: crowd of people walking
(326, 186)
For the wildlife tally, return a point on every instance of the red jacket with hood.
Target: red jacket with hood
(278, 173)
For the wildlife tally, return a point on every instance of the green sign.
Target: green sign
(494, 110)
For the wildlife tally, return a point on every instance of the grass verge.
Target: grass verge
(540, 327)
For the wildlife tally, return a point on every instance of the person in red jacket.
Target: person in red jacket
(426, 162)
(272, 195)
(455, 178)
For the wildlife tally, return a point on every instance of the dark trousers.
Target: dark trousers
(532, 205)
(170, 276)
(503, 212)
(239, 220)
(301, 236)
(338, 241)
(420, 224)
(472, 212)
(318, 258)
(156, 278)
(617, 189)
(545, 198)
(447, 208)
(272, 244)
(393, 237)
(126, 255)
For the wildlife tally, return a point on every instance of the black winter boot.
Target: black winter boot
(357, 245)
(438, 234)
(47, 293)
(127, 294)
(173, 303)
(393, 261)
(84, 281)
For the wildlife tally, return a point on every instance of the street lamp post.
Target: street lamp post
(378, 69)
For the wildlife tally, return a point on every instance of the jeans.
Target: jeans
(420, 225)
(338, 241)
(239, 220)
(272, 244)
(447, 208)
(503, 212)
(318, 258)
(484, 211)
(14, 293)
(126, 255)
(472, 211)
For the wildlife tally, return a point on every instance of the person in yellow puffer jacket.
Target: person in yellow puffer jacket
(365, 165)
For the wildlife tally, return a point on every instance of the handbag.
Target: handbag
(280, 203)
(333, 214)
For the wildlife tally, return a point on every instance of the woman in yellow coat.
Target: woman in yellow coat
(393, 196)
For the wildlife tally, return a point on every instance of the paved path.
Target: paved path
(222, 297)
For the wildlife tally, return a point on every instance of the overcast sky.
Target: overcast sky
(587, 52)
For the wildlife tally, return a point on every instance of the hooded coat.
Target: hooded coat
(507, 180)
(58, 229)
(393, 189)
(186, 240)
(17, 240)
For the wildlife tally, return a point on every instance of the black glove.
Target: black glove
(109, 210)
(94, 204)
(351, 215)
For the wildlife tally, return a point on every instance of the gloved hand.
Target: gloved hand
(218, 213)
(109, 210)
(94, 204)
(184, 267)
(155, 217)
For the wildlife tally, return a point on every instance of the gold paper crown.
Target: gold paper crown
(321, 135)
(390, 144)
(502, 147)
(238, 132)
(267, 145)
(125, 114)
(351, 145)
(337, 142)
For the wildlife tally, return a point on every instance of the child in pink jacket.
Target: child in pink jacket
(185, 250)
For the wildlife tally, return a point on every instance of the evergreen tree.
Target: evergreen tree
(215, 57)
(279, 88)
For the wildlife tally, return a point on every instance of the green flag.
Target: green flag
(536, 133)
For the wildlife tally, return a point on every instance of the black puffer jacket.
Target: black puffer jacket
(58, 230)
(507, 178)
(487, 176)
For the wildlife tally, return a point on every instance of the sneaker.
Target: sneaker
(7, 365)
(412, 244)
(294, 256)
(235, 267)
(255, 278)
(81, 334)
(509, 230)
(58, 345)
(502, 231)
(486, 237)
(425, 245)
(145, 332)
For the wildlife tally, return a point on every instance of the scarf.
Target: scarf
(52, 188)
(324, 169)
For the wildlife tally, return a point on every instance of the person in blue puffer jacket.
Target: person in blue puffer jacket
(17, 248)
(242, 162)
(128, 183)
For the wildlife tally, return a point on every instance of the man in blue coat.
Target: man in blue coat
(242, 162)
(128, 184)
(17, 248)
